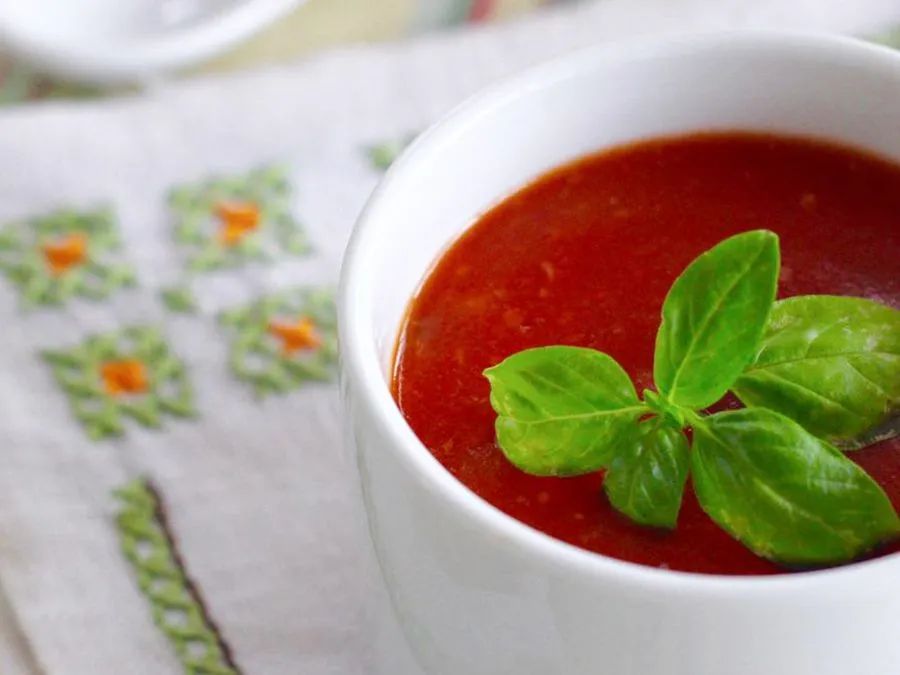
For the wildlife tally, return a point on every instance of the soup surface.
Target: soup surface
(584, 256)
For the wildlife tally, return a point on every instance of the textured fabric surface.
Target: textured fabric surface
(260, 496)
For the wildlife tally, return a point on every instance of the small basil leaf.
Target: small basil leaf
(713, 317)
(830, 363)
(645, 480)
(562, 411)
(784, 493)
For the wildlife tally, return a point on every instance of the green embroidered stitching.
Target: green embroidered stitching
(80, 373)
(177, 606)
(382, 155)
(891, 38)
(198, 232)
(19, 83)
(258, 358)
(53, 257)
(179, 299)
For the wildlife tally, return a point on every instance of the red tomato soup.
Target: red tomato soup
(584, 256)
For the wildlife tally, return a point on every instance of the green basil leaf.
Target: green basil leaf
(784, 493)
(830, 363)
(562, 411)
(713, 318)
(645, 480)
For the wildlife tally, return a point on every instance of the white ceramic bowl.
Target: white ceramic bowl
(477, 592)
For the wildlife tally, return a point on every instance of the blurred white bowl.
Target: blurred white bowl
(127, 41)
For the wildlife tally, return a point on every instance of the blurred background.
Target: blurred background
(266, 31)
(88, 48)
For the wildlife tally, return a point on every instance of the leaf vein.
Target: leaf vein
(835, 355)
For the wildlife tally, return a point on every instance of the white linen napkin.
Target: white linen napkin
(259, 497)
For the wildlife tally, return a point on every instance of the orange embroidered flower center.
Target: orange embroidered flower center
(237, 220)
(302, 334)
(126, 376)
(65, 253)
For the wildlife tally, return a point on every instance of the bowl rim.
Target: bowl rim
(361, 362)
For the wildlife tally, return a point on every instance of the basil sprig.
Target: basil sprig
(812, 370)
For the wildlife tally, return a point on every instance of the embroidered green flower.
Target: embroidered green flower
(283, 341)
(228, 221)
(130, 373)
(382, 155)
(179, 299)
(53, 257)
(177, 608)
(890, 38)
